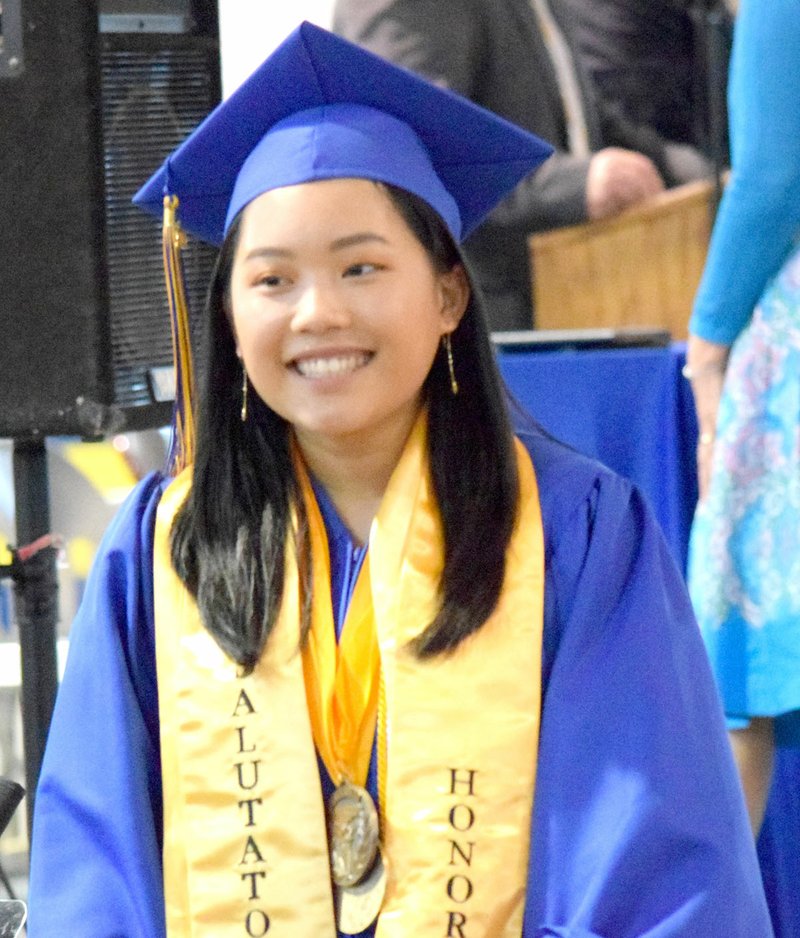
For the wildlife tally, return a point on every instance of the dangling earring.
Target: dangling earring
(448, 348)
(244, 393)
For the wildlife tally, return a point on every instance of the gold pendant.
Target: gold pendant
(357, 907)
(353, 834)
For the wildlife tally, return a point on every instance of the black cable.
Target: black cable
(10, 796)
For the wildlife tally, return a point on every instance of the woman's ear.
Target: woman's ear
(456, 291)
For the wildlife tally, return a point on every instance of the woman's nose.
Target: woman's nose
(319, 307)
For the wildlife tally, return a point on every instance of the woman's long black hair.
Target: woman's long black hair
(229, 538)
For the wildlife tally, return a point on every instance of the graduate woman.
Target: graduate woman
(372, 664)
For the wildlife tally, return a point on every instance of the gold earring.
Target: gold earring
(448, 347)
(244, 393)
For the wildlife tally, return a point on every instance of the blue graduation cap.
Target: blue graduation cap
(319, 108)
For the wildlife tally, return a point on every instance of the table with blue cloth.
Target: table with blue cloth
(632, 409)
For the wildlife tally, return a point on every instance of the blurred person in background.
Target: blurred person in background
(744, 364)
(515, 57)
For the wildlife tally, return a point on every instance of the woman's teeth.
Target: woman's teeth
(330, 365)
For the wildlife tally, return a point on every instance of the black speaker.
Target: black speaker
(91, 102)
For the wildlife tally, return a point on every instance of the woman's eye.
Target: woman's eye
(360, 270)
(271, 281)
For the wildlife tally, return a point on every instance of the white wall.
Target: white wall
(251, 29)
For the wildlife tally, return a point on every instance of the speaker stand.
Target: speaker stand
(36, 603)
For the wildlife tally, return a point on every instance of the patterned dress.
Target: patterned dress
(744, 556)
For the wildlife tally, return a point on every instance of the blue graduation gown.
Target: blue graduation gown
(638, 827)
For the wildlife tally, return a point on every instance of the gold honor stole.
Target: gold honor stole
(245, 843)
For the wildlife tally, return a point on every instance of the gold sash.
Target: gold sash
(245, 848)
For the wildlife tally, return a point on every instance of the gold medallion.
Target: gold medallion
(357, 907)
(353, 834)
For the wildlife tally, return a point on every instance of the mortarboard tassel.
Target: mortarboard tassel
(181, 453)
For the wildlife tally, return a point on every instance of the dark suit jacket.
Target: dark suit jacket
(492, 51)
(646, 56)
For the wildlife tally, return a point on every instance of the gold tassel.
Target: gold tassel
(183, 438)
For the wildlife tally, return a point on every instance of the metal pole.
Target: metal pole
(36, 603)
(712, 28)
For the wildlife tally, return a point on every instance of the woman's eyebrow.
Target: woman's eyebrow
(267, 252)
(361, 237)
(358, 238)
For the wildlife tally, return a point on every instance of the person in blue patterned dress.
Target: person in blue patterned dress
(744, 364)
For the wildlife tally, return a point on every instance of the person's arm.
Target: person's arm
(676, 162)
(639, 822)
(706, 363)
(759, 216)
(96, 850)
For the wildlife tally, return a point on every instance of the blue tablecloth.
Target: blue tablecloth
(633, 410)
(630, 408)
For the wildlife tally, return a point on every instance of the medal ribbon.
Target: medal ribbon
(342, 679)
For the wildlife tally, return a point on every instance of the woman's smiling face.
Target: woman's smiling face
(337, 309)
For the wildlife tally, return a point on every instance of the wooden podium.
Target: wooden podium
(639, 268)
